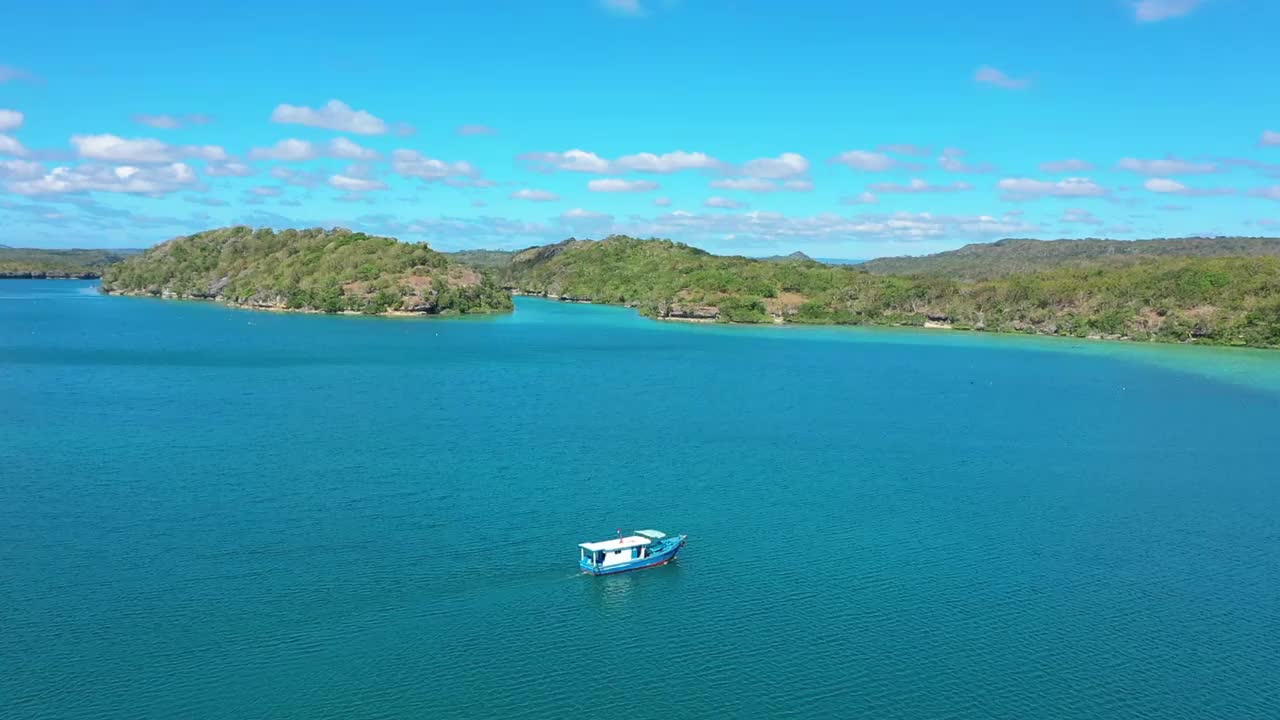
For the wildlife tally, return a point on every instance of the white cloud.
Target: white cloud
(1157, 10)
(1065, 166)
(950, 160)
(866, 161)
(534, 195)
(1027, 188)
(723, 203)
(10, 120)
(662, 201)
(1166, 166)
(798, 185)
(992, 76)
(266, 191)
(230, 168)
(341, 147)
(476, 130)
(157, 180)
(918, 186)
(288, 150)
(665, 163)
(745, 184)
(355, 184)
(20, 170)
(1270, 137)
(1270, 193)
(570, 160)
(786, 165)
(1173, 187)
(334, 115)
(301, 178)
(621, 185)
(113, 148)
(865, 198)
(411, 163)
(9, 145)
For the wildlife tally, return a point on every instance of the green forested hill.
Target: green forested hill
(41, 263)
(1227, 300)
(980, 261)
(325, 270)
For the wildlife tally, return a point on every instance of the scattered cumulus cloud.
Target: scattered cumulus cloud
(988, 75)
(1030, 189)
(722, 203)
(1173, 187)
(1156, 10)
(128, 179)
(411, 163)
(1064, 166)
(333, 115)
(619, 185)
(266, 191)
(868, 161)
(113, 148)
(786, 165)
(1270, 137)
(662, 201)
(752, 184)
(230, 168)
(301, 178)
(951, 161)
(534, 195)
(1166, 166)
(343, 148)
(288, 150)
(352, 184)
(476, 130)
(918, 186)
(667, 162)
(1270, 193)
(570, 160)
(9, 145)
(10, 120)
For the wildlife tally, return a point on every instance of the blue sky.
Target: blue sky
(839, 129)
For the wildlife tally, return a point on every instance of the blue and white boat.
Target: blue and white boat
(646, 548)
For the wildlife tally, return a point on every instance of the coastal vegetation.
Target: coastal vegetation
(1220, 300)
(42, 263)
(1012, 256)
(311, 270)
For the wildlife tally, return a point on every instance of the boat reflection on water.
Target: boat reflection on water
(614, 592)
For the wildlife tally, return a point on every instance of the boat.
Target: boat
(646, 548)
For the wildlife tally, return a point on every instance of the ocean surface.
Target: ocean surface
(216, 513)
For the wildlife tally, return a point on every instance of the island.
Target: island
(40, 263)
(1194, 290)
(314, 270)
(1215, 294)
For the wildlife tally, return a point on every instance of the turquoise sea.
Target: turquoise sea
(214, 513)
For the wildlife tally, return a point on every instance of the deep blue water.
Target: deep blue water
(212, 513)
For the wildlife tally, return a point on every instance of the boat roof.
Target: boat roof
(616, 543)
(652, 534)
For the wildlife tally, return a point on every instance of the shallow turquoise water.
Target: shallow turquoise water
(211, 513)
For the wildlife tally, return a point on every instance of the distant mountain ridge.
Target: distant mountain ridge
(44, 263)
(980, 261)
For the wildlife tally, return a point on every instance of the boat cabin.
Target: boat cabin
(621, 550)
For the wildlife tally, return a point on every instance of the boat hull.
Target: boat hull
(661, 557)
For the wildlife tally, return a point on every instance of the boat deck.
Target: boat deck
(616, 543)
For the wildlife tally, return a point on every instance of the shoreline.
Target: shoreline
(282, 309)
(776, 321)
